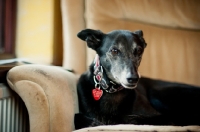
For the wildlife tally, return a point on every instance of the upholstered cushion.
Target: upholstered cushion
(182, 14)
(140, 128)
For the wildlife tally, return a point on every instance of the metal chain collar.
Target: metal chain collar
(100, 81)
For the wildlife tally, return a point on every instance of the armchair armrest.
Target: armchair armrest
(49, 94)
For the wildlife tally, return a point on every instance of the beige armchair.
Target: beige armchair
(171, 29)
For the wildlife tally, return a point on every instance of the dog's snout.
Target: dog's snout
(131, 78)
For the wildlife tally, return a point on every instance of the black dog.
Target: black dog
(112, 93)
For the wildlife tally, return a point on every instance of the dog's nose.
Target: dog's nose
(131, 78)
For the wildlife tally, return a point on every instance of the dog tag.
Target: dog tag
(97, 93)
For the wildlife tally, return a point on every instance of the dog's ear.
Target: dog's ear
(139, 33)
(92, 37)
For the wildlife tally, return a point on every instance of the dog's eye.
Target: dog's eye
(115, 51)
(138, 51)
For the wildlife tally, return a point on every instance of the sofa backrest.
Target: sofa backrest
(171, 30)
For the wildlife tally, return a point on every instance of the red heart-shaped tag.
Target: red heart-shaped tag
(97, 93)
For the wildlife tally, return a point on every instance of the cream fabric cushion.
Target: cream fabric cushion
(140, 128)
(180, 14)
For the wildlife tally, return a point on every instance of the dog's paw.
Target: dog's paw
(96, 123)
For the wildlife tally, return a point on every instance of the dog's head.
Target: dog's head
(120, 53)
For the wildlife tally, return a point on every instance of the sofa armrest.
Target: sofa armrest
(49, 94)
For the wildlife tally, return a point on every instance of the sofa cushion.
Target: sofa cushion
(182, 14)
(140, 128)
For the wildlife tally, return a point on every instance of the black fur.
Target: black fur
(153, 102)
